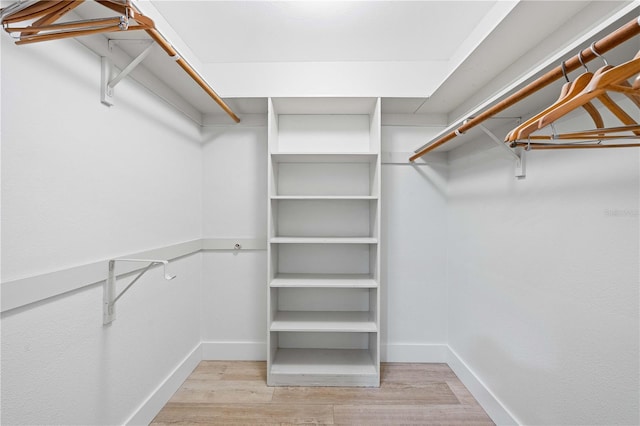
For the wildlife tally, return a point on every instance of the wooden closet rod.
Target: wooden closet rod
(162, 42)
(166, 46)
(612, 40)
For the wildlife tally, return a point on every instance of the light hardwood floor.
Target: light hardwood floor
(233, 392)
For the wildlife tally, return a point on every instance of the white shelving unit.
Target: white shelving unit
(324, 238)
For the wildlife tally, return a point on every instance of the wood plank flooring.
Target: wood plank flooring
(235, 392)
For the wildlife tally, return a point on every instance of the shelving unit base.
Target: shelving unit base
(323, 367)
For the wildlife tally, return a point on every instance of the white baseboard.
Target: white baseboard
(487, 400)
(161, 395)
(413, 352)
(236, 351)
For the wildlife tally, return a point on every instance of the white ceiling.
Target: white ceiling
(323, 31)
(466, 45)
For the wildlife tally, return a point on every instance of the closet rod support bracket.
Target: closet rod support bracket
(108, 83)
(109, 295)
(516, 154)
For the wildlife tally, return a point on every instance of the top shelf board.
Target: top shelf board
(321, 105)
(323, 157)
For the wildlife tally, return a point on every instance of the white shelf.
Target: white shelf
(324, 197)
(324, 157)
(324, 281)
(324, 172)
(342, 362)
(315, 321)
(324, 105)
(323, 240)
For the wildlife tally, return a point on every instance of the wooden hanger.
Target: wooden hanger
(623, 87)
(49, 11)
(43, 27)
(535, 123)
(633, 93)
(569, 90)
(621, 35)
(588, 139)
(31, 12)
(55, 13)
(605, 79)
(601, 83)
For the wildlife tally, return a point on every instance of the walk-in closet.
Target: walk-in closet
(320, 212)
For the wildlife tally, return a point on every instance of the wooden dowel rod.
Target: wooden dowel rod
(157, 37)
(619, 36)
(577, 146)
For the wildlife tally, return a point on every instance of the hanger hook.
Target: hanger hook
(554, 134)
(593, 49)
(582, 61)
(564, 71)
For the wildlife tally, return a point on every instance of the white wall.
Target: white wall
(234, 301)
(82, 183)
(414, 311)
(61, 366)
(543, 280)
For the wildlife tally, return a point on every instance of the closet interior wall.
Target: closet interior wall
(234, 205)
(82, 183)
(542, 278)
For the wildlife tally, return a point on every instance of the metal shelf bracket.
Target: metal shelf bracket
(516, 154)
(109, 296)
(108, 83)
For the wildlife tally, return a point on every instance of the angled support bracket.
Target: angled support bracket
(516, 154)
(109, 295)
(108, 83)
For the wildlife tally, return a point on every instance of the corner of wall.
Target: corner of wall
(147, 411)
(487, 399)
